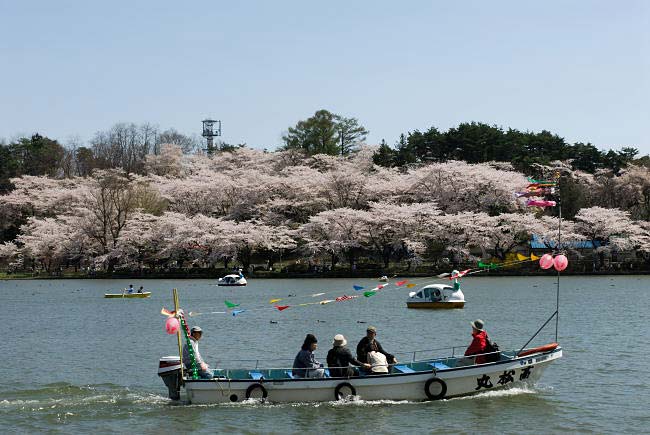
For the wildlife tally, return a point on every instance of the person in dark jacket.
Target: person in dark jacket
(305, 364)
(479, 342)
(339, 359)
(369, 344)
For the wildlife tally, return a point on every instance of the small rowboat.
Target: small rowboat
(127, 295)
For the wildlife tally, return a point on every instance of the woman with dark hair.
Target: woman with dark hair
(305, 364)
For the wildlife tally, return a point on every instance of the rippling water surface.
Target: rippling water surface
(76, 362)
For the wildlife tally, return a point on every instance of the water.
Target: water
(75, 362)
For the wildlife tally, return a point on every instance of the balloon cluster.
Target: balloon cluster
(560, 262)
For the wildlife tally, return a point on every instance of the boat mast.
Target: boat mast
(559, 246)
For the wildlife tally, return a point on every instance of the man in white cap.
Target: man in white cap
(204, 371)
(339, 359)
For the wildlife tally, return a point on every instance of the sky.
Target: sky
(580, 69)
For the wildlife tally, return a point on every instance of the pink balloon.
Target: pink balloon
(560, 262)
(546, 262)
(172, 325)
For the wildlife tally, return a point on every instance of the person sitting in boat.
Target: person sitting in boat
(130, 288)
(369, 344)
(204, 371)
(305, 364)
(339, 359)
(479, 342)
(141, 289)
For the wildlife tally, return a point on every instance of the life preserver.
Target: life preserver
(545, 348)
(443, 389)
(254, 387)
(339, 387)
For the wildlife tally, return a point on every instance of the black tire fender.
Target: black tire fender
(443, 389)
(339, 387)
(253, 387)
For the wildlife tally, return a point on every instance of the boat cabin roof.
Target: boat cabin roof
(438, 286)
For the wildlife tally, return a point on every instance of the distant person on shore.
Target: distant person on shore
(204, 371)
(370, 344)
(340, 357)
(478, 345)
(130, 288)
(305, 364)
(141, 289)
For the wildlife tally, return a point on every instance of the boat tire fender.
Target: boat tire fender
(339, 387)
(253, 387)
(443, 389)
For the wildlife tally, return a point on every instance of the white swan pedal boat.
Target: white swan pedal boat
(428, 379)
(436, 296)
(234, 280)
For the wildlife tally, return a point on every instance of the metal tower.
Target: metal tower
(211, 128)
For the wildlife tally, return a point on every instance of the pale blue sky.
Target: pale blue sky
(577, 68)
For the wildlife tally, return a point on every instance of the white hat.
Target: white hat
(339, 340)
(196, 329)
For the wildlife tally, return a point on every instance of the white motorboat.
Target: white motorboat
(235, 279)
(436, 296)
(418, 380)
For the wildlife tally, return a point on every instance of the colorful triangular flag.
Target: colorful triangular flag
(230, 304)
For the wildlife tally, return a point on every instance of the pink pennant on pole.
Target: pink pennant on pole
(560, 262)
(401, 283)
(171, 325)
(546, 262)
(281, 307)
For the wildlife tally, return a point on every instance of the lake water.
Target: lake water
(75, 362)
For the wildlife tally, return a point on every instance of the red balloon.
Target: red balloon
(172, 325)
(546, 262)
(560, 262)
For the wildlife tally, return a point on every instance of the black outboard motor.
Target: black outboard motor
(169, 369)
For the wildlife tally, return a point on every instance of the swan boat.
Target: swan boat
(133, 295)
(233, 280)
(436, 296)
(418, 380)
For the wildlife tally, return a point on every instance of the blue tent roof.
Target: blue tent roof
(536, 243)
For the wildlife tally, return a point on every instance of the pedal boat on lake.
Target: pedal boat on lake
(127, 295)
(436, 296)
(233, 280)
(418, 380)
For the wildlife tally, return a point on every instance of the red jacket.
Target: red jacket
(478, 345)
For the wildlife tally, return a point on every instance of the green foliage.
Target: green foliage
(325, 133)
(37, 155)
(476, 142)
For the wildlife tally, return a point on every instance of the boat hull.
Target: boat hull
(416, 386)
(435, 305)
(230, 285)
(127, 295)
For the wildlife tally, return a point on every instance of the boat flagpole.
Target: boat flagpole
(559, 246)
(178, 333)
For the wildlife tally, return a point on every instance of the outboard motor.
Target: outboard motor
(169, 369)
